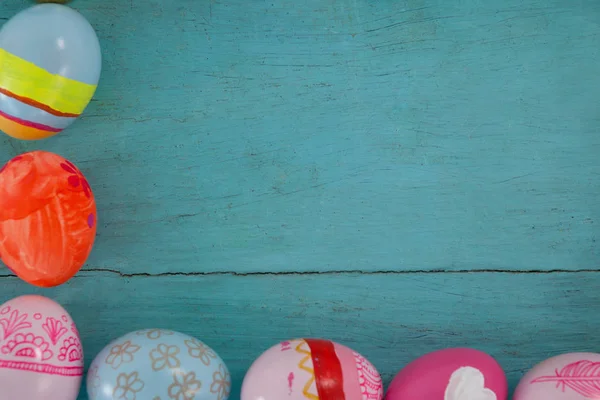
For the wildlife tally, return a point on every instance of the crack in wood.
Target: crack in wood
(329, 272)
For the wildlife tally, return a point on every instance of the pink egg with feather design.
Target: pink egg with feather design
(40, 351)
(571, 376)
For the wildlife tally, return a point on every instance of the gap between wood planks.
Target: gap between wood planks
(331, 272)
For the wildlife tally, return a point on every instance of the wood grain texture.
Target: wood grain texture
(341, 135)
(390, 318)
(439, 159)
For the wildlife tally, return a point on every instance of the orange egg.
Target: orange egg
(47, 218)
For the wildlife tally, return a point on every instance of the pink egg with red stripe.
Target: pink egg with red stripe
(311, 369)
(570, 376)
(450, 374)
(40, 351)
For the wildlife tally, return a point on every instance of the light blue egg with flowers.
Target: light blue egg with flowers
(158, 364)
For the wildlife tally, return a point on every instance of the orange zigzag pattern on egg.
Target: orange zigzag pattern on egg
(302, 365)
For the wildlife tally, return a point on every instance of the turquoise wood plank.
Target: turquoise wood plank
(341, 135)
(390, 318)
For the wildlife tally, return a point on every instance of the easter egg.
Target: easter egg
(40, 351)
(571, 376)
(158, 364)
(47, 218)
(314, 369)
(450, 374)
(50, 63)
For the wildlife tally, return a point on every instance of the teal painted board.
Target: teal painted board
(341, 135)
(390, 318)
(439, 159)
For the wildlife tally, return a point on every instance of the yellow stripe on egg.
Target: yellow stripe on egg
(24, 79)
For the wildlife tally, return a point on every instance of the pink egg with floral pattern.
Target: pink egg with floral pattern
(450, 374)
(571, 376)
(40, 351)
(314, 369)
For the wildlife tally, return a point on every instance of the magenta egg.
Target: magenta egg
(313, 369)
(450, 374)
(40, 351)
(571, 376)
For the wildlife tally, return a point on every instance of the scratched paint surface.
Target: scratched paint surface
(519, 318)
(384, 142)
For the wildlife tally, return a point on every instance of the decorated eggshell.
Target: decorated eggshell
(50, 63)
(157, 364)
(571, 376)
(450, 374)
(315, 369)
(40, 351)
(47, 218)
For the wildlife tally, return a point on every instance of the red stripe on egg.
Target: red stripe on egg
(30, 124)
(328, 370)
(37, 104)
(41, 368)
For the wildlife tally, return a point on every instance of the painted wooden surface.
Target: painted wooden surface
(390, 318)
(437, 160)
